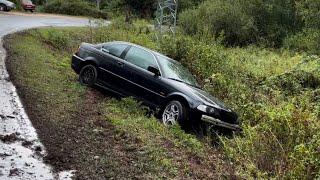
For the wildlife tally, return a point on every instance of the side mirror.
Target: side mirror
(154, 70)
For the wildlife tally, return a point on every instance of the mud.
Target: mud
(21, 152)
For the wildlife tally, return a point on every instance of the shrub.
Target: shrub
(242, 22)
(308, 10)
(73, 7)
(220, 17)
(294, 81)
(142, 8)
(308, 41)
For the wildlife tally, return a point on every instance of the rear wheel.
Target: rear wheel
(174, 113)
(88, 75)
(3, 7)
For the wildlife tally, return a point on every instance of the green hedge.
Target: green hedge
(73, 7)
(242, 22)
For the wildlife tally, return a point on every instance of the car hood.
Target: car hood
(208, 99)
(200, 95)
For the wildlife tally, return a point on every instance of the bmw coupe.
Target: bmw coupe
(159, 81)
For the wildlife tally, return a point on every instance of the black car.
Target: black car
(131, 70)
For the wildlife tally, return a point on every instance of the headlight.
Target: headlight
(206, 109)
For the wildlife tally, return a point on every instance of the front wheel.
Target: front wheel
(88, 75)
(174, 113)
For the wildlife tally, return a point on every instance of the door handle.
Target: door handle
(120, 63)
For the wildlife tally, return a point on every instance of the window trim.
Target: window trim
(154, 57)
(111, 44)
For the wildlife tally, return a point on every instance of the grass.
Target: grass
(275, 92)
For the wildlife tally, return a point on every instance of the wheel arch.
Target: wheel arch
(88, 61)
(178, 97)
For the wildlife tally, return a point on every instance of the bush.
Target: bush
(308, 10)
(294, 81)
(73, 7)
(242, 22)
(308, 41)
(142, 8)
(219, 17)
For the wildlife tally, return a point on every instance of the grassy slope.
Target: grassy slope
(275, 93)
(92, 132)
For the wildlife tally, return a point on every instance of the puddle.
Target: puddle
(23, 163)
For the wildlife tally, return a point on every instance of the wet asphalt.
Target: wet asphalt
(21, 152)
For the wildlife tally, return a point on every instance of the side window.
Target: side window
(140, 57)
(114, 49)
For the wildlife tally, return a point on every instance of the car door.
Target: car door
(147, 86)
(112, 66)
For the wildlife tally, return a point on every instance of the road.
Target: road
(21, 152)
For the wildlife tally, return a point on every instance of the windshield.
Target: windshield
(174, 70)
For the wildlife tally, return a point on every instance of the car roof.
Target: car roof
(136, 45)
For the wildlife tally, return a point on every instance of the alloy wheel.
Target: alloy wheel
(170, 115)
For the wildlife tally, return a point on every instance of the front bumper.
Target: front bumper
(220, 123)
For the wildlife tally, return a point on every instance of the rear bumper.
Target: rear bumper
(220, 123)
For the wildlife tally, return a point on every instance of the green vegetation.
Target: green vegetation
(73, 7)
(229, 45)
(96, 134)
(291, 24)
(275, 92)
(267, 23)
(277, 97)
(141, 9)
(107, 8)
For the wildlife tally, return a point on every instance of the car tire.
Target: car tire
(88, 75)
(174, 113)
(3, 7)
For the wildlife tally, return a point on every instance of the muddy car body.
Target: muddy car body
(131, 70)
